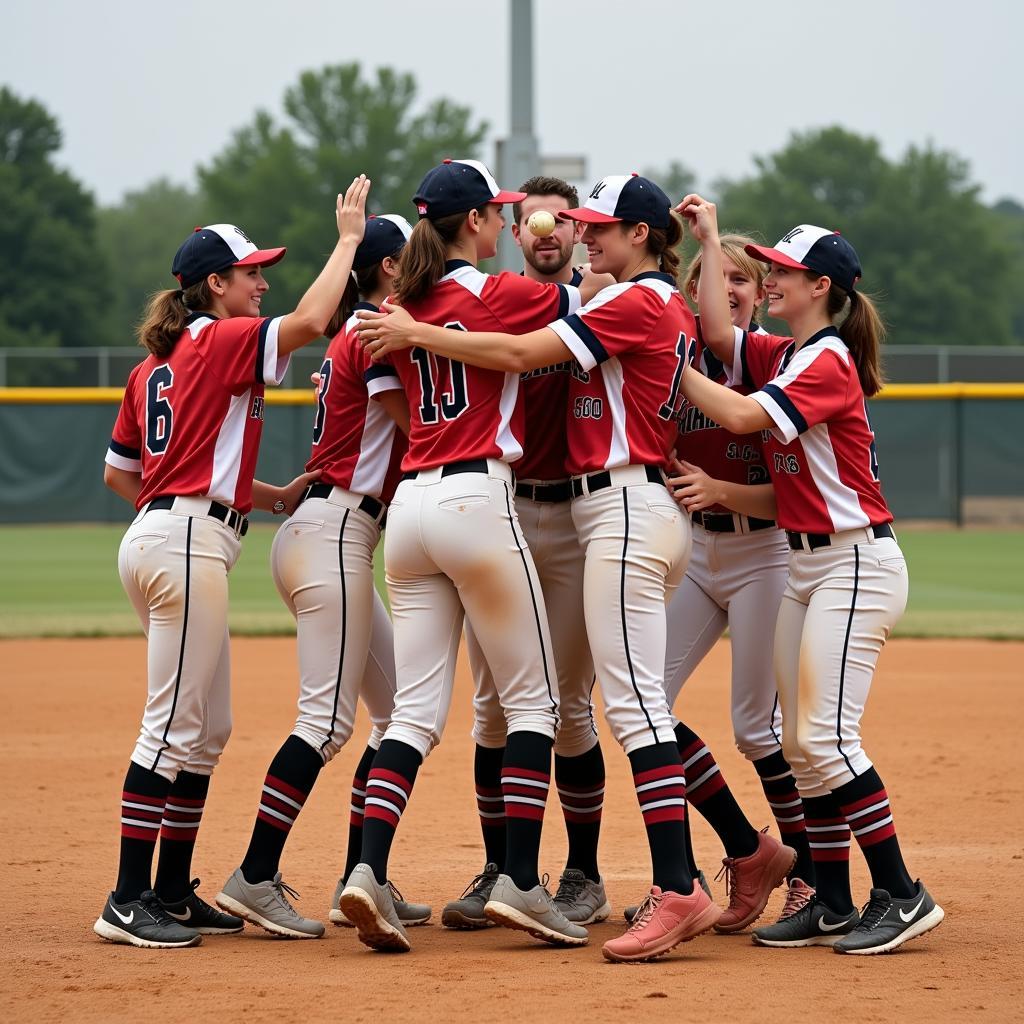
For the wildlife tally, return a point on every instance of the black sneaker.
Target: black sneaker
(467, 912)
(886, 923)
(812, 925)
(143, 922)
(194, 912)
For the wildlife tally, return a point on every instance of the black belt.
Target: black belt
(722, 522)
(231, 518)
(375, 509)
(599, 481)
(545, 492)
(824, 540)
(469, 466)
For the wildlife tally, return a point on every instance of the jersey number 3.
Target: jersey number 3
(451, 404)
(159, 415)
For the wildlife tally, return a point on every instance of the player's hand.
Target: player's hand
(390, 330)
(291, 493)
(351, 211)
(702, 217)
(314, 379)
(692, 487)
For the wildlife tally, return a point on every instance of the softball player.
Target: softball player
(543, 509)
(847, 583)
(184, 451)
(453, 543)
(629, 346)
(322, 562)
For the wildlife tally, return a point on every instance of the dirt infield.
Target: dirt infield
(942, 727)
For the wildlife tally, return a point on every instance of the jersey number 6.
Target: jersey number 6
(159, 415)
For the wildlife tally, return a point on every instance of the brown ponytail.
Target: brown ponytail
(862, 332)
(167, 312)
(421, 264)
(662, 243)
(365, 282)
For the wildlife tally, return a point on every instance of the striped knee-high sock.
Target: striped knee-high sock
(290, 779)
(178, 831)
(580, 782)
(525, 780)
(356, 808)
(388, 789)
(142, 809)
(865, 805)
(828, 837)
(490, 801)
(661, 791)
(706, 790)
(788, 810)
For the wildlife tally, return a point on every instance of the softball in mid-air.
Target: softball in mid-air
(541, 223)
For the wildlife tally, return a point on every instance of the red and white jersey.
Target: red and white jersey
(737, 458)
(355, 442)
(545, 399)
(821, 451)
(191, 423)
(630, 343)
(460, 412)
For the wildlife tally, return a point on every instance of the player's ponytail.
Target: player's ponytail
(422, 261)
(862, 332)
(349, 298)
(663, 244)
(167, 313)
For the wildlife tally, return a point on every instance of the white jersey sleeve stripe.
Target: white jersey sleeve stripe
(273, 366)
(580, 340)
(569, 300)
(785, 429)
(119, 461)
(386, 382)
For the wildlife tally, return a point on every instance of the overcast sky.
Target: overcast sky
(143, 90)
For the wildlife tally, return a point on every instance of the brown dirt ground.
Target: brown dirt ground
(942, 726)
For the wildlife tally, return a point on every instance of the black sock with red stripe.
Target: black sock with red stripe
(865, 805)
(355, 815)
(490, 801)
(828, 837)
(178, 831)
(661, 790)
(387, 793)
(525, 780)
(290, 778)
(788, 810)
(580, 782)
(142, 809)
(706, 790)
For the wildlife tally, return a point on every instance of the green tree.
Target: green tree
(1010, 216)
(279, 181)
(932, 253)
(55, 280)
(138, 237)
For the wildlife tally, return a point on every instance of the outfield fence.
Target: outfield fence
(946, 451)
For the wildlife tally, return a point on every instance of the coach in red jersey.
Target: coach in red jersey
(847, 582)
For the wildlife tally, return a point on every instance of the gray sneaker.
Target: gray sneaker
(410, 914)
(630, 912)
(143, 922)
(581, 900)
(886, 923)
(532, 911)
(370, 907)
(467, 912)
(265, 905)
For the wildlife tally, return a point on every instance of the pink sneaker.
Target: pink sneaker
(750, 880)
(663, 920)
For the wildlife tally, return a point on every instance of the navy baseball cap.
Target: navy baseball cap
(623, 197)
(458, 186)
(217, 247)
(383, 236)
(819, 250)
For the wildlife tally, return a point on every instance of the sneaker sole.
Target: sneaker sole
(930, 921)
(338, 918)
(509, 917)
(232, 906)
(371, 928)
(458, 921)
(601, 914)
(221, 931)
(704, 922)
(110, 932)
(779, 866)
(814, 940)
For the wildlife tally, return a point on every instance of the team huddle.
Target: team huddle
(587, 484)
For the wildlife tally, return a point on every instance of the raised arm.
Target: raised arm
(317, 306)
(715, 321)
